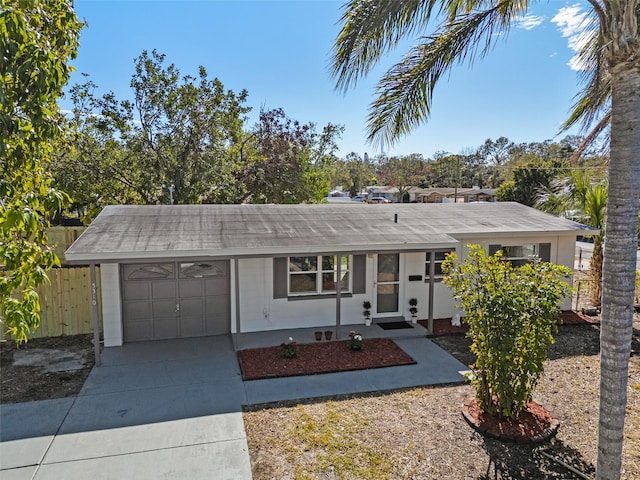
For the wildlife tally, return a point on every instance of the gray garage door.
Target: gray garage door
(172, 300)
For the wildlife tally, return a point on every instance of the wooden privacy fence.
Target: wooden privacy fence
(66, 303)
(62, 238)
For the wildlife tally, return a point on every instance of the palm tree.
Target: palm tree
(468, 30)
(587, 199)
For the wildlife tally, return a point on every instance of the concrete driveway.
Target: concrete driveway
(172, 409)
(167, 409)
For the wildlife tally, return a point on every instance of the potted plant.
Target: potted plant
(355, 340)
(413, 309)
(367, 312)
(289, 349)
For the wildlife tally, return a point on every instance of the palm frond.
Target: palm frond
(594, 133)
(593, 101)
(555, 199)
(405, 92)
(369, 29)
(595, 206)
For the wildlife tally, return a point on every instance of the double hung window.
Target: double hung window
(518, 255)
(318, 275)
(436, 257)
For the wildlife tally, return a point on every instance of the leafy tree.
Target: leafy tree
(38, 40)
(283, 164)
(527, 182)
(187, 127)
(512, 316)
(179, 132)
(94, 167)
(495, 152)
(444, 170)
(402, 172)
(468, 29)
(361, 173)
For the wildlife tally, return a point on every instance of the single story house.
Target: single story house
(450, 194)
(172, 271)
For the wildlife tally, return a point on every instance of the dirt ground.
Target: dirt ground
(421, 434)
(28, 383)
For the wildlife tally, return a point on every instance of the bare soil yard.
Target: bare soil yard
(421, 434)
(25, 383)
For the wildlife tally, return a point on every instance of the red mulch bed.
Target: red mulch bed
(533, 425)
(442, 326)
(571, 317)
(325, 357)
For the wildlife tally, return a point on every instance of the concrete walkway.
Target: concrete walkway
(173, 409)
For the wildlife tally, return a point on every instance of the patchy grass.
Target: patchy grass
(333, 437)
(420, 433)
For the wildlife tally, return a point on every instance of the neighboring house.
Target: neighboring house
(450, 194)
(436, 195)
(390, 193)
(191, 270)
(393, 193)
(477, 194)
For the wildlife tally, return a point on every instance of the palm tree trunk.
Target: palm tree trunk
(619, 265)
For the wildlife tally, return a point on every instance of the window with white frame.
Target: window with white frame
(318, 275)
(436, 257)
(519, 255)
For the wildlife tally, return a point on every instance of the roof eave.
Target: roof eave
(116, 257)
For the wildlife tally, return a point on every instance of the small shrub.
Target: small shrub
(289, 349)
(367, 308)
(511, 313)
(413, 303)
(355, 341)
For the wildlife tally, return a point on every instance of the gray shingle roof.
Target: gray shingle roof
(137, 232)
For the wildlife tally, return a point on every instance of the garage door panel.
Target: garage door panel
(163, 289)
(138, 330)
(150, 303)
(164, 308)
(191, 307)
(217, 305)
(192, 326)
(216, 286)
(137, 291)
(218, 314)
(165, 327)
(190, 288)
(138, 310)
(217, 325)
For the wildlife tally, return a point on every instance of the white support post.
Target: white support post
(338, 295)
(95, 322)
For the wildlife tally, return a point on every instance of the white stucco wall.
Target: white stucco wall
(111, 304)
(260, 311)
(415, 264)
(562, 250)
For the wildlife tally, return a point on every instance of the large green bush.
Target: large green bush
(511, 313)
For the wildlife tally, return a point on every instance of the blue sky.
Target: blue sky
(279, 51)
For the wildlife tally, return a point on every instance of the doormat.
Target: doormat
(394, 325)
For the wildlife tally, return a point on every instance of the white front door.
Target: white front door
(387, 285)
